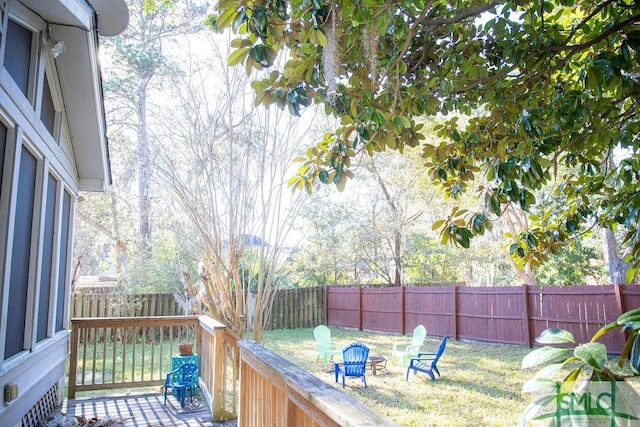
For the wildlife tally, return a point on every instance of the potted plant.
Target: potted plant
(185, 348)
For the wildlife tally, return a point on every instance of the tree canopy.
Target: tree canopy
(551, 88)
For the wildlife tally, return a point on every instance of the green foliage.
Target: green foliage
(158, 272)
(427, 261)
(589, 358)
(574, 264)
(546, 87)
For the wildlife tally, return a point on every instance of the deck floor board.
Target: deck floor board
(143, 409)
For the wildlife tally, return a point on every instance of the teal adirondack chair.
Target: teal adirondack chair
(322, 335)
(407, 350)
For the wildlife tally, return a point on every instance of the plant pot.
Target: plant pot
(186, 349)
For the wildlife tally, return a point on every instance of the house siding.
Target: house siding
(39, 184)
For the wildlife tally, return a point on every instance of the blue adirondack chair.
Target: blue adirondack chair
(426, 362)
(184, 384)
(354, 361)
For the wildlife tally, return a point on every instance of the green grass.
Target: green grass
(480, 384)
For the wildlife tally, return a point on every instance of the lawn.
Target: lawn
(480, 385)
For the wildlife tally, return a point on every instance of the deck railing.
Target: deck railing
(124, 352)
(276, 392)
(219, 367)
(111, 353)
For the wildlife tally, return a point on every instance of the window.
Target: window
(21, 255)
(62, 260)
(48, 109)
(18, 55)
(47, 259)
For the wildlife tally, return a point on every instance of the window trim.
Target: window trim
(55, 257)
(22, 141)
(68, 239)
(35, 251)
(7, 217)
(50, 73)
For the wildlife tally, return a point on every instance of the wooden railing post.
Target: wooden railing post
(73, 361)
(219, 362)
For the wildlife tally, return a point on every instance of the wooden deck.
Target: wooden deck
(142, 410)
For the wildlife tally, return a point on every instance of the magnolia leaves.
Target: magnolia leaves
(460, 226)
(546, 88)
(557, 354)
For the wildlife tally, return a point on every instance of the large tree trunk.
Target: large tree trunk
(617, 266)
(516, 220)
(525, 275)
(144, 176)
(397, 258)
(397, 216)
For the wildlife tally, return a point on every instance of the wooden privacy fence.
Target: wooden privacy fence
(292, 308)
(297, 308)
(110, 304)
(513, 315)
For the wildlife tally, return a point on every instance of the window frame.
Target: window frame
(23, 143)
(50, 73)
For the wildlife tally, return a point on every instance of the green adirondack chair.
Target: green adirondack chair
(407, 350)
(322, 335)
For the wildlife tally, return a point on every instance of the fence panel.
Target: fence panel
(581, 310)
(491, 314)
(382, 309)
(630, 296)
(431, 306)
(110, 304)
(511, 315)
(297, 308)
(343, 307)
(292, 308)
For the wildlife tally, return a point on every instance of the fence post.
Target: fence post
(620, 302)
(359, 308)
(402, 313)
(617, 288)
(326, 305)
(525, 315)
(455, 312)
